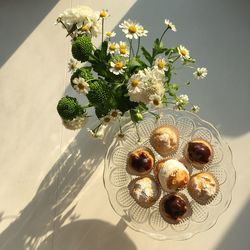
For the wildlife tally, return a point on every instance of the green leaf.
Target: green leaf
(147, 55)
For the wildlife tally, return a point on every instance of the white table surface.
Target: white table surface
(52, 195)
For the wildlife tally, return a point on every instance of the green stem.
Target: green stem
(138, 47)
(163, 33)
(176, 58)
(102, 28)
(137, 132)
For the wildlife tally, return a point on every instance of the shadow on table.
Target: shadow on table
(26, 15)
(238, 236)
(88, 235)
(56, 192)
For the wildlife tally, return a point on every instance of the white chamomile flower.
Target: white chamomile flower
(115, 114)
(106, 119)
(99, 134)
(110, 34)
(72, 65)
(112, 47)
(195, 108)
(131, 29)
(200, 73)
(135, 84)
(160, 64)
(80, 85)
(118, 66)
(123, 49)
(183, 52)
(170, 25)
(103, 13)
(182, 100)
(142, 31)
(155, 101)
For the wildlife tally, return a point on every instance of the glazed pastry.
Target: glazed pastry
(171, 174)
(144, 190)
(203, 187)
(140, 161)
(165, 140)
(174, 208)
(198, 152)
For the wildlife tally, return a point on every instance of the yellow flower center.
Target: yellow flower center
(135, 83)
(132, 29)
(103, 13)
(123, 51)
(85, 28)
(106, 119)
(183, 52)
(108, 33)
(112, 46)
(161, 64)
(114, 114)
(118, 65)
(81, 86)
(156, 102)
(123, 46)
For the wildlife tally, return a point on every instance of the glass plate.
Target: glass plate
(149, 221)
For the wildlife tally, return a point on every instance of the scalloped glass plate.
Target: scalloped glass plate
(149, 221)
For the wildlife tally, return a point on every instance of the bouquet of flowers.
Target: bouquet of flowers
(120, 77)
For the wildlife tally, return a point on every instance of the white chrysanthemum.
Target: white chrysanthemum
(80, 85)
(155, 101)
(76, 123)
(195, 108)
(81, 16)
(142, 31)
(135, 84)
(110, 34)
(118, 66)
(200, 73)
(123, 49)
(131, 29)
(170, 25)
(72, 65)
(183, 52)
(160, 64)
(152, 83)
(112, 47)
(115, 114)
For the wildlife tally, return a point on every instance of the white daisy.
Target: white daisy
(131, 29)
(160, 64)
(115, 114)
(110, 34)
(112, 47)
(99, 134)
(142, 31)
(103, 13)
(123, 49)
(72, 65)
(80, 85)
(106, 119)
(195, 108)
(155, 101)
(135, 84)
(170, 25)
(200, 73)
(183, 52)
(118, 66)
(182, 100)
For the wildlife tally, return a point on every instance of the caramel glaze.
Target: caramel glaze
(199, 152)
(141, 162)
(175, 207)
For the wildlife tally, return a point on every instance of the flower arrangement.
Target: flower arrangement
(120, 77)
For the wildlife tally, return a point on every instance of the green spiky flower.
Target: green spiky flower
(69, 108)
(84, 72)
(82, 48)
